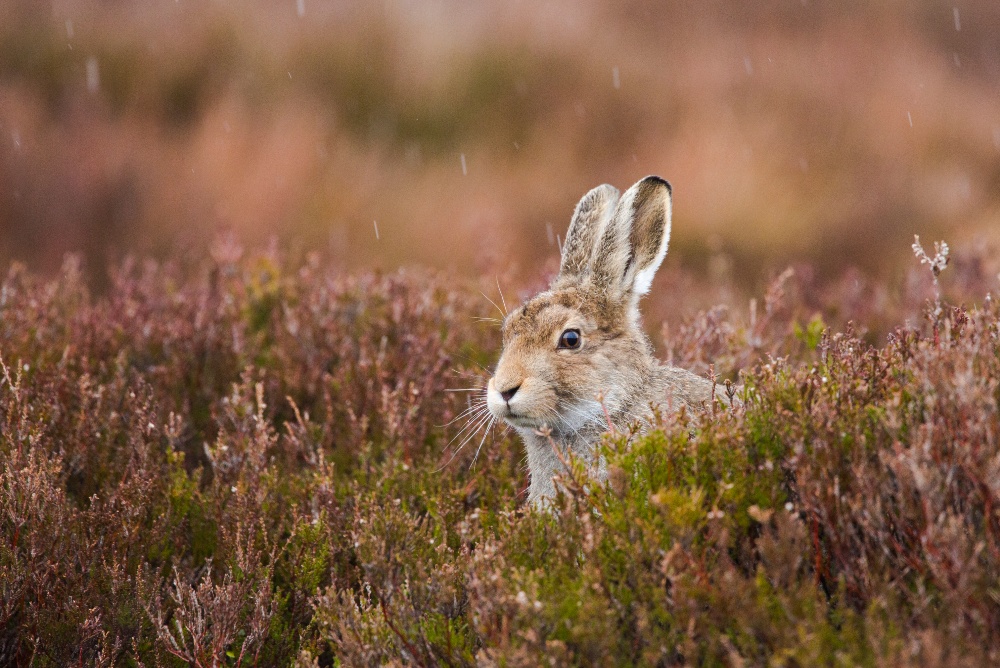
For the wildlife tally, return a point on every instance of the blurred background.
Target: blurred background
(460, 134)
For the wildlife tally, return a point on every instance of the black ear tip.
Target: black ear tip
(652, 178)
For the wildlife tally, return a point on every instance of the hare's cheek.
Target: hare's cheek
(575, 367)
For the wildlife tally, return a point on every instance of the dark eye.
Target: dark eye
(570, 339)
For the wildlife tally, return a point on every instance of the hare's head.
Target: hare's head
(581, 339)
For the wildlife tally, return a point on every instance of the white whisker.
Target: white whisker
(472, 361)
(502, 300)
(504, 314)
(475, 415)
(474, 407)
(486, 433)
(479, 421)
(472, 433)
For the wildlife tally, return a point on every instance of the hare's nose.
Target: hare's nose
(509, 394)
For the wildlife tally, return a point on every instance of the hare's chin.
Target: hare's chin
(523, 421)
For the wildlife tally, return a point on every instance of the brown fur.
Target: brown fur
(613, 245)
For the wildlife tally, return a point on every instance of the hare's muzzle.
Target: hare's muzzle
(502, 398)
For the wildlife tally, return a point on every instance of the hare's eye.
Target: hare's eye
(570, 339)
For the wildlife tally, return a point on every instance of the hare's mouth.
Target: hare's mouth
(523, 421)
(536, 424)
(520, 420)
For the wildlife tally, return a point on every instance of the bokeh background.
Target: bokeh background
(465, 132)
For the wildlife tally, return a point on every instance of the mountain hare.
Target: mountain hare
(579, 344)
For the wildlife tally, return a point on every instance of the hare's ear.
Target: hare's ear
(634, 242)
(589, 222)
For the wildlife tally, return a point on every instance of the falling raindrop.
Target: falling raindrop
(375, 223)
(69, 29)
(747, 65)
(615, 79)
(549, 233)
(909, 118)
(93, 75)
(958, 19)
(16, 136)
(461, 157)
(300, 6)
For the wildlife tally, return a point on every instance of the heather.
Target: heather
(254, 460)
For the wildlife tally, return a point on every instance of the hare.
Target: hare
(575, 355)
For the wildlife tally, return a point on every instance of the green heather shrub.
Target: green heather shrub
(256, 462)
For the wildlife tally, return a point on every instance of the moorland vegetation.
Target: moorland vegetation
(252, 460)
